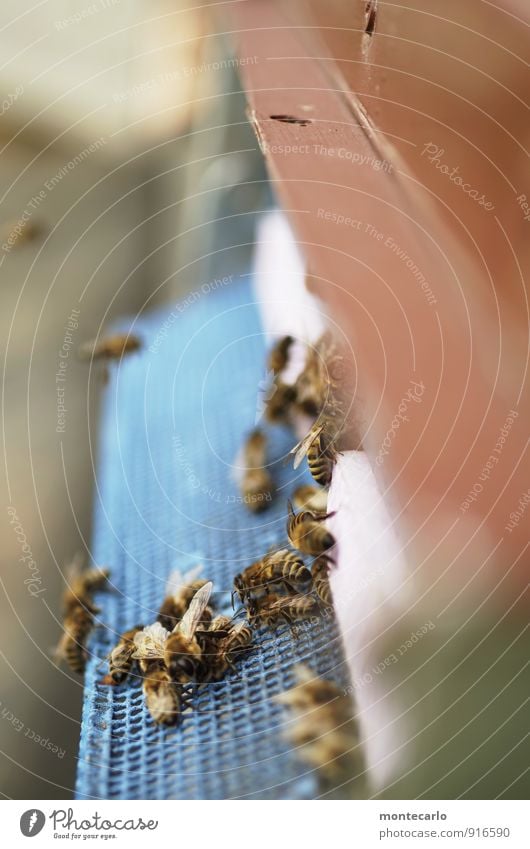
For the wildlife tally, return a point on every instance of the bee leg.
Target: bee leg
(186, 700)
(324, 516)
(238, 654)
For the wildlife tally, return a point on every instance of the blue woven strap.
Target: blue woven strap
(174, 419)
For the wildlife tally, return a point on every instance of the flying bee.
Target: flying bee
(279, 406)
(307, 533)
(274, 610)
(121, 658)
(279, 354)
(256, 483)
(238, 641)
(183, 653)
(320, 573)
(110, 347)
(307, 497)
(21, 231)
(180, 590)
(78, 624)
(319, 447)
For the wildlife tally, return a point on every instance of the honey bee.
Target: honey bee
(311, 388)
(164, 698)
(256, 483)
(121, 658)
(180, 590)
(309, 691)
(183, 652)
(279, 354)
(307, 497)
(78, 613)
(279, 407)
(72, 645)
(325, 730)
(209, 637)
(274, 610)
(219, 655)
(323, 373)
(21, 232)
(320, 573)
(81, 585)
(247, 582)
(110, 347)
(283, 567)
(307, 533)
(319, 447)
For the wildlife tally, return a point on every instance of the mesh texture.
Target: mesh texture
(174, 418)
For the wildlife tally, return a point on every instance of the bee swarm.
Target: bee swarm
(189, 645)
(199, 648)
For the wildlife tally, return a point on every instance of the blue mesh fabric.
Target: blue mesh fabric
(174, 419)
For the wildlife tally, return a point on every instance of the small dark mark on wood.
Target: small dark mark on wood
(371, 15)
(290, 119)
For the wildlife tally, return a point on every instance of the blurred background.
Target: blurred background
(123, 138)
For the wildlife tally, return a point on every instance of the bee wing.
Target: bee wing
(189, 622)
(301, 449)
(174, 582)
(192, 574)
(178, 582)
(75, 567)
(86, 350)
(151, 642)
